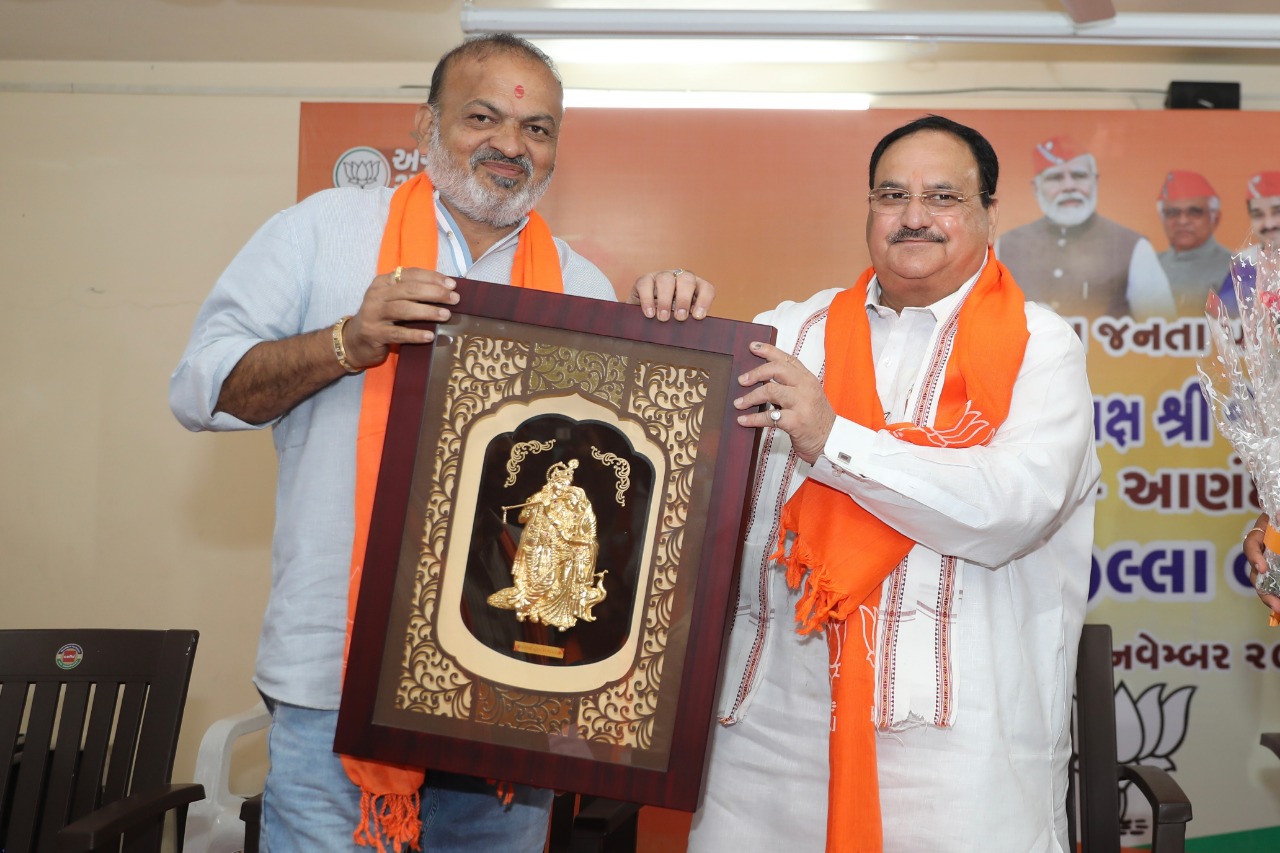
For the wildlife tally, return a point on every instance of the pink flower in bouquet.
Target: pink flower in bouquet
(1270, 300)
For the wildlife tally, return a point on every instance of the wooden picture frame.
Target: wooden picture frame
(584, 660)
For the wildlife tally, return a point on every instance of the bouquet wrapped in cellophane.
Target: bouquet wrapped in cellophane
(1240, 377)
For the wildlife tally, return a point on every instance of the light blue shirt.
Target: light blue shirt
(305, 268)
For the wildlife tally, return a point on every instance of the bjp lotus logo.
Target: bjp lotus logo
(362, 167)
(1149, 730)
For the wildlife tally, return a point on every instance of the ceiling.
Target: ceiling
(374, 31)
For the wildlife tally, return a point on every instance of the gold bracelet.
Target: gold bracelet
(1261, 530)
(340, 349)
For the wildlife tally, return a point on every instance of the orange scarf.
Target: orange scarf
(847, 552)
(389, 804)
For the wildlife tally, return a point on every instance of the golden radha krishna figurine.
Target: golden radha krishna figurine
(554, 567)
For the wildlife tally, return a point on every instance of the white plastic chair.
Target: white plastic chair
(213, 824)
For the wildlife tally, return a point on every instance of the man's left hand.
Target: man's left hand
(672, 293)
(1255, 551)
(795, 394)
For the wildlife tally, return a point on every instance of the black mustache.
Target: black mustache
(916, 234)
(492, 154)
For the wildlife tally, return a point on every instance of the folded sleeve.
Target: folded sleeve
(260, 297)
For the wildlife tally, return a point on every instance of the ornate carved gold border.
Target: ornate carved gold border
(668, 400)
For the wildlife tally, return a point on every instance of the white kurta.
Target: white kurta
(1018, 513)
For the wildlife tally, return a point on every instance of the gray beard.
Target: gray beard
(467, 192)
(1067, 217)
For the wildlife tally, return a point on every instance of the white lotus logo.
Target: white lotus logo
(1149, 731)
(362, 173)
(362, 167)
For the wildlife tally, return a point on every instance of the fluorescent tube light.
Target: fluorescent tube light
(1157, 29)
(627, 98)
(634, 50)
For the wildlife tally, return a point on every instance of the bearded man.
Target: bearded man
(299, 334)
(1072, 259)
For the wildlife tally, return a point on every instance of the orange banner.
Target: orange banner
(772, 205)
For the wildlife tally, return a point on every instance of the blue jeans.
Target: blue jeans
(310, 806)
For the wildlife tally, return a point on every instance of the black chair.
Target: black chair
(1099, 771)
(582, 824)
(89, 724)
(251, 814)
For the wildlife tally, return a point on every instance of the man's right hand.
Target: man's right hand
(410, 294)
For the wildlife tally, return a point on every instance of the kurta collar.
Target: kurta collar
(1204, 251)
(446, 220)
(942, 308)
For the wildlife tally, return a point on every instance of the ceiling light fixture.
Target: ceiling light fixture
(634, 99)
(1153, 29)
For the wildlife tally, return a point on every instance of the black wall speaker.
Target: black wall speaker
(1196, 95)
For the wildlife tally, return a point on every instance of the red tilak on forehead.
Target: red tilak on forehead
(519, 91)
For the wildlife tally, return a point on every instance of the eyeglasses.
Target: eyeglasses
(1188, 212)
(892, 200)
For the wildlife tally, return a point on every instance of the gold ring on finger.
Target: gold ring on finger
(398, 273)
(677, 271)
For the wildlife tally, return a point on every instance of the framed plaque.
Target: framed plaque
(557, 524)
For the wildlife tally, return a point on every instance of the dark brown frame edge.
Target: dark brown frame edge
(678, 786)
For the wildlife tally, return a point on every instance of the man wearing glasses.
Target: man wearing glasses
(1194, 261)
(1075, 260)
(924, 507)
(1264, 207)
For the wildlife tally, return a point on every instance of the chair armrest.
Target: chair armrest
(114, 819)
(251, 814)
(214, 823)
(1170, 808)
(605, 816)
(1271, 740)
(1169, 804)
(213, 762)
(251, 809)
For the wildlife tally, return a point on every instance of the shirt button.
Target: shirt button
(1062, 241)
(1057, 273)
